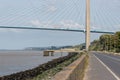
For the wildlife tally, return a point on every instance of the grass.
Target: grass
(47, 75)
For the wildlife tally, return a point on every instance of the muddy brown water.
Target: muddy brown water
(16, 61)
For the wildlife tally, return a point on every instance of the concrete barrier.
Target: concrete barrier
(74, 71)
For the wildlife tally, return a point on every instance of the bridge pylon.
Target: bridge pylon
(87, 34)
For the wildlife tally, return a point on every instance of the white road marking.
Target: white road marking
(108, 68)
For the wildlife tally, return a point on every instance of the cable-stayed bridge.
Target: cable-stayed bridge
(71, 30)
(86, 16)
(61, 15)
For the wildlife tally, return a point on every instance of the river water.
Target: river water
(16, 61)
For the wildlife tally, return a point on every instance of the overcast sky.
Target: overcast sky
(68, 14)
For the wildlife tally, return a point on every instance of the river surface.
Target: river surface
(16, 61)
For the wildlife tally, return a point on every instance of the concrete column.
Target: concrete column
(46, 53)
(87, 24)
(52, 53)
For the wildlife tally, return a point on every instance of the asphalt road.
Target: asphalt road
(110, 61)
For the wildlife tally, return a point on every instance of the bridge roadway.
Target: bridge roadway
(56, 29)
(103, 67)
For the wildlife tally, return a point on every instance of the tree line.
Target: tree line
(107, 42)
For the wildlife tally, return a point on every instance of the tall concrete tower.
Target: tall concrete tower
(87, 24)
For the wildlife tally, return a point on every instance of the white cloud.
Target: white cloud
(66, 24)
(94, 27)
(71, 24)
(37, 23)
(51, 5)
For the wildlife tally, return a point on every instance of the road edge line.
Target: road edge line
(108, 68)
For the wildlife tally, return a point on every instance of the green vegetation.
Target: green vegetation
(47, 75)
(107, 42)
(80, 46)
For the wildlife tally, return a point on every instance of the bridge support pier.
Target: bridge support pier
(48, 53)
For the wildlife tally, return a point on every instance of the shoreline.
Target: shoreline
(13, 62)
(37, 70)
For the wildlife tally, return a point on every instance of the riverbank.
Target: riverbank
(49, 74)
(16, 61)
(28, 74)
